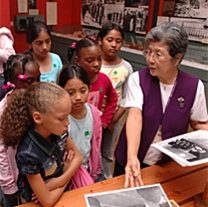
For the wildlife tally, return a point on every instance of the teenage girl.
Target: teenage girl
(20, 71)
(85, 127)
(110, 38)
(38, 38)
(37, 120)
(88, 55)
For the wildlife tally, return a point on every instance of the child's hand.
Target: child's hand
(111, 127)
(34, 198)
(68, 156)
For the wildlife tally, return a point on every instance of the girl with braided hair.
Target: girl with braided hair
(37, 120)
(20, 71)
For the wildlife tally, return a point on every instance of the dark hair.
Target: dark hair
(71, 71)
(107, 28)
(15, 62)
(17, 116)
(34, 29)
(172, 33)
(83, 43)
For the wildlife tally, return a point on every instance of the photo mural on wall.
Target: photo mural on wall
(192, 15)
(131, 15)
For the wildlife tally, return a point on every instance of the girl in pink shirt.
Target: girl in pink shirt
(20, 71)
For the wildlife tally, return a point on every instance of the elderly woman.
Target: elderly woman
(162, 102)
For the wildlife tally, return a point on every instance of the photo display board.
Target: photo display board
(192, 14)
(131, 15)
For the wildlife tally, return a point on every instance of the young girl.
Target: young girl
(85, 127)
(37, 120)
(20, 71)
(38, 38)
(88, 55)
(118, 70)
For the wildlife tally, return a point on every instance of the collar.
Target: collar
(42, 143)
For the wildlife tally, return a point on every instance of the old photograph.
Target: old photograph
(114, 13)
(188, 149)
(114, 1)
(32, 4)
(135, 19)
(136, 3)
(92, 13)
(191, 8)
(197, 29)
(145, 196)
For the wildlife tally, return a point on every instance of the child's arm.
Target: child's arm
(73, 160)
(46, 197)
(7, 179)
(119, 113)
(110, 106)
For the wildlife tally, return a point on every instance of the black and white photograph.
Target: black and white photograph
(191, 8)
(92, 13)
(136, 3)
(188, 149)
(145, 196)
(114, 13)
(197, 29)
(32, 4)
(114, 1)
(135, 19)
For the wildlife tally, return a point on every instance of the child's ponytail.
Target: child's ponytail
(70, 51)
(15, 118)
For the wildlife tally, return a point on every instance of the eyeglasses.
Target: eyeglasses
(156, 56)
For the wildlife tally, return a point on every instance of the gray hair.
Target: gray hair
(172, 33)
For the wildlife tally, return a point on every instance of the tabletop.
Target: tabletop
(179, 184)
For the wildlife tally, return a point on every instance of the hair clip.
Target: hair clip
(22, 76)
(8, 85)
(73, 45)
(93, 38)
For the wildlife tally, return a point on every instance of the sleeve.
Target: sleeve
(130, 71)
(134, 95)
(6, 48)
(60, 64)
(111, 103)
(7, 179)
(28, 163)
(199, 109)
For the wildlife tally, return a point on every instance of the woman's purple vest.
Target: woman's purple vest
(174, 121)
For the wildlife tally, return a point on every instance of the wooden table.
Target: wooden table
(179, 184)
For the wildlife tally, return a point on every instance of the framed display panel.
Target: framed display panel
(192, 14)
(197, 29)
(131, 15)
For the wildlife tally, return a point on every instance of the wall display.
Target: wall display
(191, 8)
(135, 19)
(92, 13)
(136, 3)
(192, 14)
(197, 29)
(131, 15)
(32, 4)
(169, 7)
(114, 13)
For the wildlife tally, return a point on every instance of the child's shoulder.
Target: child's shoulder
(127, 65)
(54, 55)
(94, 109)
